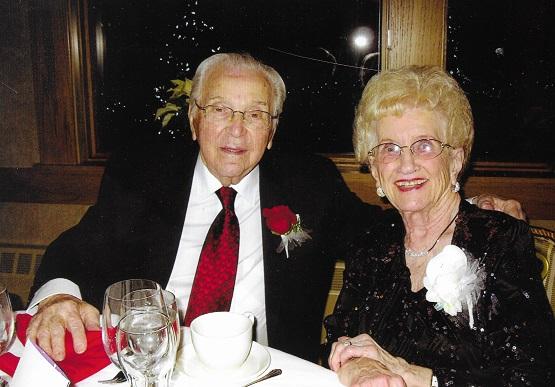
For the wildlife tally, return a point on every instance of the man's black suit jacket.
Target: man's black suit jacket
(133, 231)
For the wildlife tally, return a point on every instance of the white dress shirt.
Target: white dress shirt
(203, 206)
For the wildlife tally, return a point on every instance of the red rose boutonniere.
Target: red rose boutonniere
(283, 222)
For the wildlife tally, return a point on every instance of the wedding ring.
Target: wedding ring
(346, 343)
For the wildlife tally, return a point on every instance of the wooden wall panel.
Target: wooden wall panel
(36, 224)
(18, 128)
(25, 231)
(79, 185)
(50, 184)
(535, 194)
(413, 32)
(56, 125)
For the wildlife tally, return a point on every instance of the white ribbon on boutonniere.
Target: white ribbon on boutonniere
(454, 281)
(285, 223)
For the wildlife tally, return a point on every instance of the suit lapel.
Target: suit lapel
(272, 194)
(173, 197)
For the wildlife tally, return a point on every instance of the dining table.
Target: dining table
(296, 372)
(189, 372)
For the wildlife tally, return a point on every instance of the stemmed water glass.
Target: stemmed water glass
(7, 320)
(146, 346)
(173, 313)
(114, 309)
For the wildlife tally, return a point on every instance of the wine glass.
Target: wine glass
(7, 320)
(150, 300)
(113, 309)
(146, 346)
(173, 313)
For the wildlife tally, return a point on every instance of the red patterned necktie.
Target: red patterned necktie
(215, 276)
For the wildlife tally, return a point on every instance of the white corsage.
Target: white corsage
(454, 282)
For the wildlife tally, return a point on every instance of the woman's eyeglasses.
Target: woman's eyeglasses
(424, 149)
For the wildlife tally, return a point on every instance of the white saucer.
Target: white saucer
(257, 362)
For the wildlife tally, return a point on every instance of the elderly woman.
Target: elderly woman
(446, 293)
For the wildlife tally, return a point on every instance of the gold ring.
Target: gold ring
(346, 343)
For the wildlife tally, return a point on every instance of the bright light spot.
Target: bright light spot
(363, 39)
(360, 41)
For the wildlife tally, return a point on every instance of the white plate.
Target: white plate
(257, 362)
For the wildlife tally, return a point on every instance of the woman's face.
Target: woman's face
(412, 184)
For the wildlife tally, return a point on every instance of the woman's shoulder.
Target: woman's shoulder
(490, 225)
(503, 244)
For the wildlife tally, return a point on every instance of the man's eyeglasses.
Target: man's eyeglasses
(253, 119)
(425, 149)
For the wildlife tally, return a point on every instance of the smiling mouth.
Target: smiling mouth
(405, 185)
(234, 151)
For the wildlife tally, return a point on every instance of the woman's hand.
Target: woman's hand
(365, 372)
(363, 346)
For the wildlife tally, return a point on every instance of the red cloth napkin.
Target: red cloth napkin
(76, 366)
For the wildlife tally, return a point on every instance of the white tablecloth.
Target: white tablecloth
(296, 373)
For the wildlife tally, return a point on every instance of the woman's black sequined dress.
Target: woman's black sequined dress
(512, 340)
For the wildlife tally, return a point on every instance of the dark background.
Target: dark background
(501, 52)
(148, 43)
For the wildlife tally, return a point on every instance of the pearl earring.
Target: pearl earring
(380, 192)
(456, 187)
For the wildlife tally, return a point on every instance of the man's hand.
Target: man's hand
(56, 314)
(508, 206)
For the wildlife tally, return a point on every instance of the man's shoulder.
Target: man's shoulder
(151, 150)
(150, 162)
(152, 146)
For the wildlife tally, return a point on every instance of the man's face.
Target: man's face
(229, 149)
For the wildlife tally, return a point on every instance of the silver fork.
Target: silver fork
(119, 378)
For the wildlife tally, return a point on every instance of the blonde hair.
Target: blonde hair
(240, 61)
(427, 87)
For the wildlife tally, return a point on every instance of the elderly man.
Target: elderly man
(159, 205)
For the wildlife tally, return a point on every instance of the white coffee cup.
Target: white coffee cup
(222, 340)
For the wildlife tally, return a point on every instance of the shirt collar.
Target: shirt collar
(206, 184)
